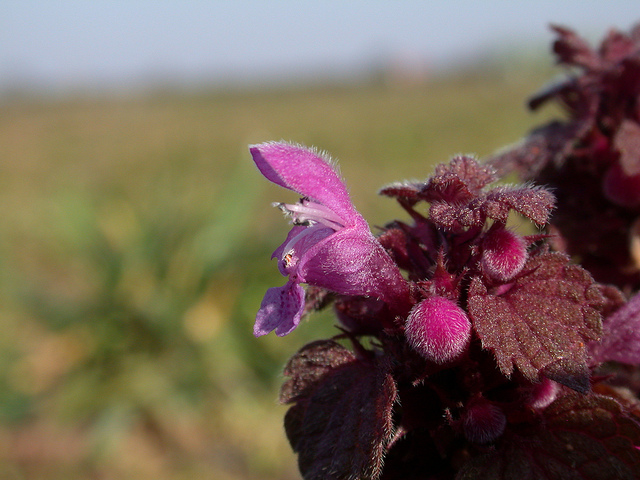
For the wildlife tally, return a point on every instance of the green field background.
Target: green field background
(135, 239)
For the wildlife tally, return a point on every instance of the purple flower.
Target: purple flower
(330, 245)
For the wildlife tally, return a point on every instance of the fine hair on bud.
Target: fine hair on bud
(543, 394)
(483, 422)
(504, 253)
(438, 329)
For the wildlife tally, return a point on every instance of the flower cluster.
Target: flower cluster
(466, 350)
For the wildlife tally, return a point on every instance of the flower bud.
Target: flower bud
(503, 254)
(543, 394)
(483, 422)
(438, 329)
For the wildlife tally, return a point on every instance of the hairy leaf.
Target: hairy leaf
(405, 191)
(616, 46)
(542, 321)
(342, 421)
(458, 181)
(534, 203)
(579, 438)
(308, 366)
(551, 143)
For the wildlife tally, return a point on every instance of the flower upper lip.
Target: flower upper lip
(307, 172)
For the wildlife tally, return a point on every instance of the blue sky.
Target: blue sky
(110, 43)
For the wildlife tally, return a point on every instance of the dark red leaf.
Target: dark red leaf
(309, 365)
(543, 321)
(408, 192)
(571, 371)
(548, 145)
(573, 50)
(459, 181)
(449, 215)
(411, 246)
(456, 182)
(342, 420)
(394, 240)
(579, 438)
(316, 299)
(533, 202)
(616, 46)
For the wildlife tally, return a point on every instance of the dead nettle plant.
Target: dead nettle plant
(465, 350)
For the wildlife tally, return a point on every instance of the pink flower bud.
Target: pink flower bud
(543, 394)
(483, 422)
(438, 329)
(503, 254)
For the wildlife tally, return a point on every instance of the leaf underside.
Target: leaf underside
(341, 420)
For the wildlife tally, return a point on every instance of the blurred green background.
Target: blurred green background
(134, 252)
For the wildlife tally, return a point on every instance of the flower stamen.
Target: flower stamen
(308, 213)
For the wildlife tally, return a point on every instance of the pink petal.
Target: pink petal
(306, 172)
(483, 422)
(352, 262)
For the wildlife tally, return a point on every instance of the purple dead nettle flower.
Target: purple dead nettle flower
(330, 245)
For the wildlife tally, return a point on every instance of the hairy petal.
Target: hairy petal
(306, 172)
(352, 262)
(503, 254)
(438, 329)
